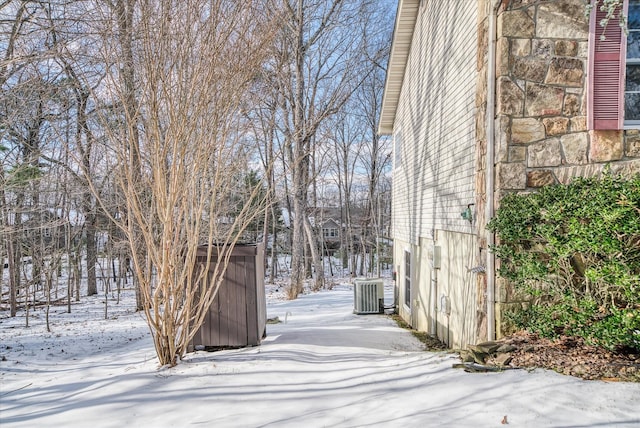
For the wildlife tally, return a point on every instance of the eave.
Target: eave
(400, 47)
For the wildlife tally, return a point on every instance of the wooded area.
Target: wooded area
(134, 131)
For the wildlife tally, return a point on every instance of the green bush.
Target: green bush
(574, 251)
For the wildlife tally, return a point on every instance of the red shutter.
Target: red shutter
(605, 108)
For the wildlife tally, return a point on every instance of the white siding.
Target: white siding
(434, 128)
(451, 281)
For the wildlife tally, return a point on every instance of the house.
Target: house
(334, 229)
(331, 234)
(486, 97)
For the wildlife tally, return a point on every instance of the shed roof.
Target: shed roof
(400, 47)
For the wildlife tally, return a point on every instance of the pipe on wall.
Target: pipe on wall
(490, 166)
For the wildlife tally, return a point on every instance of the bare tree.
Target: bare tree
(194, 62)
(345, 134)
(124, 11)
(23, 116)
(318, 65)
(263, 118)
(14, 19)
(44, 105)
(376, 153)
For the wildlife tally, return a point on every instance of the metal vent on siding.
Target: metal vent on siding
(368, 296)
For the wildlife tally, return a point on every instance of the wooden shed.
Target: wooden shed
(238, 315)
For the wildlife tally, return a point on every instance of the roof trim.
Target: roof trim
(400, 46)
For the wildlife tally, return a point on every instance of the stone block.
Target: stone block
(482, 147)
(544, 154)
(533, 69)
(504, 326)
(505, 347)
(566, 48)
(578, 123)
(517, 154)
(510, 97)
(542, 100)
(502, 131)
(480, 182)
(503, 360)
(606, 146)
(516, 23)
(481, 88)
(632, 144)
(520, 47)
(512, 176)
(466, 356)
(575, 148)
(526, 130)
(540, 178)
(583, 106)
(488, 347)
(478, 356)
(503, 290)
(502, 57)
(512, 294)
(480, 123)
(627, 169)
(566, 174)
(562, 20)
(583, 49)
(565, 72)
(555, 125)
(542, 48)
(483, 41)
(572, 105)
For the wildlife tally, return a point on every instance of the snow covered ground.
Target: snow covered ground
(324, 366)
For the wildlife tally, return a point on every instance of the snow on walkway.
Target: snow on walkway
(324, 367)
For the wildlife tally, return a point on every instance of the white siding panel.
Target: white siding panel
(435, 123)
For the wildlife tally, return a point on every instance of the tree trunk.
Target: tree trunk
(274, 233)
(67, 234)
(92, 255)
(315, 257)
(124, 11)
(300, 162)
(9, 246)
(13, 256)
(298, 240)
(15, 250)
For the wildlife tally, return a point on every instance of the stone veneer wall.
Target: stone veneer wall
(541, 69)
(541, 123)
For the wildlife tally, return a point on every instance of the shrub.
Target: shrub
(574, 250)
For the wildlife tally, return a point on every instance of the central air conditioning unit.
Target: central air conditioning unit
(368, 296)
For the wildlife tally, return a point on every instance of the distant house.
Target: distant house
(333, 230)
(485, 97)
(331, 233)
